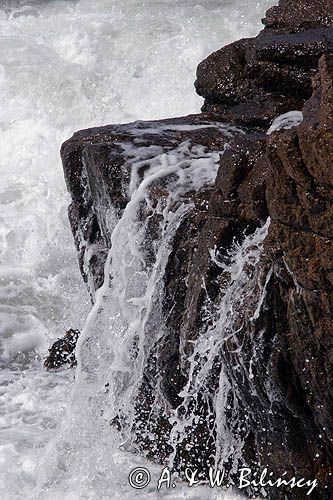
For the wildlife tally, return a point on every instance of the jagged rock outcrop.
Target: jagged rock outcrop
(299, 197)
(109, 153)
(278, 362)
(251, 81)
(299, 15)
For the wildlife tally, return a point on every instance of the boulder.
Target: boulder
(62, 351)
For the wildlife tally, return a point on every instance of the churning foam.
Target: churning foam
(66, 65)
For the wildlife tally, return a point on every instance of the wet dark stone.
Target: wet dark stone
(62, 351)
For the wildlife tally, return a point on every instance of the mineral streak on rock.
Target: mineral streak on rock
(278, 363)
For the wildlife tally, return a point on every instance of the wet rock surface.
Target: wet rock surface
(62, 352)
(109, 152)
(251, 81)
(300, 15)
(281, 379)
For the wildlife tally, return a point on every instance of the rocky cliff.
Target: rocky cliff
(271, 318)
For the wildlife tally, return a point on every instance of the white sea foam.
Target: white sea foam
(286, 121)
(66, 65)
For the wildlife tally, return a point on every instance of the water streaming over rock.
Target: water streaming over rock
(119, 344)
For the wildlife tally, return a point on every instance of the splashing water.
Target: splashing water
(126, 323)
(205, 363)
(286, 121)
(65, 66)
(128, 306)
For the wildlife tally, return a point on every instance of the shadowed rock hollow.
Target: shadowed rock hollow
(278, 360)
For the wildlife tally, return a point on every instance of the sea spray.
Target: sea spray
(209, 383)
(126, 324)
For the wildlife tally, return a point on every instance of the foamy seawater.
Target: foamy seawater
(65, 66)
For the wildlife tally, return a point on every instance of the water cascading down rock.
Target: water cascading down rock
(214, 242)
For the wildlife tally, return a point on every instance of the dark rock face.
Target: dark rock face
(252, 81)
(109, 153)
(300, 15)
(299, 196)
(278, 362)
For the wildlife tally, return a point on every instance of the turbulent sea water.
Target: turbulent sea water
(65, 66)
